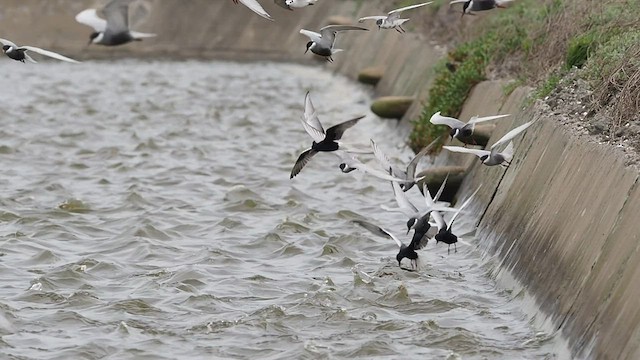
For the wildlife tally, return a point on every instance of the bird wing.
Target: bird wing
(50, 54)
(476, 119)
(283, 4)
(397, 11)
(117, 14)
(476, 152)
(336, 131)
(437, 217)
(303, 159)
(403, 202)
(441, 189)
(413, 164)
(513, 133)
(383, 159)
(375, 229)
(507, 153)
(458, 2)
(453, 218)
(90, 18)
(255, 6)
(310, 114)
(312, 35)
(9, 43)
(352, 162)
(437, 119)
(363, 19)
(328, 33)
(315, 134)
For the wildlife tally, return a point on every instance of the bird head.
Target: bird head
(454, 133)
(483, 158)
(95, 37)
(309, 45)
(411, 224)
(399, 258)
(379, 23)
(6, 48)
(465, 6)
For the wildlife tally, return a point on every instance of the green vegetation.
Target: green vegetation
(545, 39)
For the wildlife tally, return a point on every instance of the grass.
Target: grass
(466, 66)
(546, 39)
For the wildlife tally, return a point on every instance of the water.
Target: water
(147, 213)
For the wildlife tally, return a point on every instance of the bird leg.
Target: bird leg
(401, 28)
(455, 247)
(398, 30)
(449, 249)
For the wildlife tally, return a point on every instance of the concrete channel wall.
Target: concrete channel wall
(561, 221)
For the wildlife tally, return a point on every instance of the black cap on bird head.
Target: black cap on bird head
(93, 36)
(5, 48)
(465, 6)
(308, 46)
(399, 258)
(484, 157)
(379, 23)
(454, 132)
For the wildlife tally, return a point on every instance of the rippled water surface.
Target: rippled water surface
(147, 213)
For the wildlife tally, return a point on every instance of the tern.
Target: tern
(459, 129)
(19, 53)
(255, 6)
(351, 163)
(405, 251)
(113, 31)
(418, 221)
(291, 4)
(410, 173)
(392, 20)
(493, 157)
(323, 141)
(479, 5)
(444, 230)
(322, 44)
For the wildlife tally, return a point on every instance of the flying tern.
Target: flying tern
(115, 30)
(322, 44)
(459, 129)
(405, 251)
(255, 6)
(351, 163)
(19, 53)
(494, 157)
(468, 6)
(323, 141)
(444, 230)
(410, 172)
(291, 4)
(392, 20)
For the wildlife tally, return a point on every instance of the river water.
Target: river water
(147, 213)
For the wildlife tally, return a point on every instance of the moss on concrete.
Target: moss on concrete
(391, 107)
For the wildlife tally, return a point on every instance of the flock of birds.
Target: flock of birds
(428, 222)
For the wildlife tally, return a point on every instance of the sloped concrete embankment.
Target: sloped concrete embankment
(562, 221)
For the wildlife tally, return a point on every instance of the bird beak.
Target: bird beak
(306, 50)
